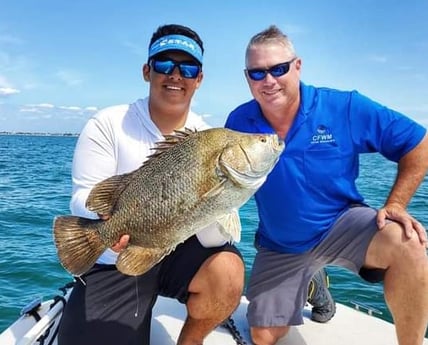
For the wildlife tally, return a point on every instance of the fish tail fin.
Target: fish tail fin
(78, 243)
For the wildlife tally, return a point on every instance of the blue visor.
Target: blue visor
(176, 42)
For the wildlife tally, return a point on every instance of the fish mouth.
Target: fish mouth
(249, 179)
(255, 162)
(253, 172)
(278, 144)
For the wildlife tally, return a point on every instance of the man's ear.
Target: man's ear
(199, 79)
(146, 72)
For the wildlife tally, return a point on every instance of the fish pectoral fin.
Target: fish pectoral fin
(230, 225)
(136, 260)
(217, 189)
(78, 243)
(105, 194)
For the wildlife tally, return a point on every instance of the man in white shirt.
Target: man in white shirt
(205, 272)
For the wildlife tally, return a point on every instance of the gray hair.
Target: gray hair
(271, 35)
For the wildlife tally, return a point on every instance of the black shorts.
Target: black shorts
(113, 308)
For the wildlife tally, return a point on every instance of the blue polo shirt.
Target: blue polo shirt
(314, 181)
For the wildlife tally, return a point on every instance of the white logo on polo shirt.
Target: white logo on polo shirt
(322, 135)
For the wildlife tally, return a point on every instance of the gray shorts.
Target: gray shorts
(278, 286)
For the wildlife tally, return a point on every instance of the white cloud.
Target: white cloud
(41, 105)
(43, 117)
(7, 91)
(30, 110)
(69, 107)
(6, 88)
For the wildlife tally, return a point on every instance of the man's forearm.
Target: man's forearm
(412, 169)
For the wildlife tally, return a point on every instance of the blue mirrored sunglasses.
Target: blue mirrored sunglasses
(275, 71)
(187, 69)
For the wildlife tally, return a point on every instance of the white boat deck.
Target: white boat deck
(348, 326)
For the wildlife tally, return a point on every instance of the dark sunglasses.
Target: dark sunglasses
(275, 71)
(187, 69)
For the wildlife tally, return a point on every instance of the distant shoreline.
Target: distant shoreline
(40, 134)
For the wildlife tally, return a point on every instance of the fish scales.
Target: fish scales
(192, 180)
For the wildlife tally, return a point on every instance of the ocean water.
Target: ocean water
(35, 186)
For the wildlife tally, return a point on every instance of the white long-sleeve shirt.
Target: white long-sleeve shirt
(115, 141)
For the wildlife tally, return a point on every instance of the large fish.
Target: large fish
(192, 180)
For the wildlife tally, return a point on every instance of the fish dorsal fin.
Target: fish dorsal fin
(170, 140)
(105, 194)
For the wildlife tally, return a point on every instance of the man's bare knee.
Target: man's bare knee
(217, 287)
(268, 335)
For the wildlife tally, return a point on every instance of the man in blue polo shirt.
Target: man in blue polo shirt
(310, 211)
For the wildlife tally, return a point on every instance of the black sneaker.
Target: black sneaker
(323, 306)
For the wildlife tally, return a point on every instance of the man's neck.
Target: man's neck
(170, 120)
(281, 120)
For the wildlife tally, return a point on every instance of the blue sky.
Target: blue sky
(60, 61)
